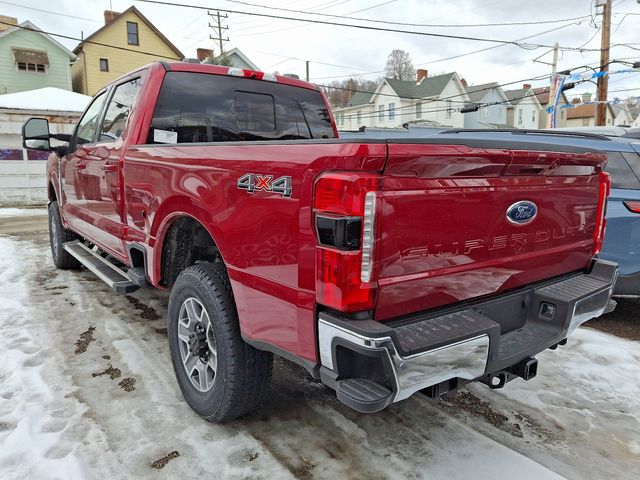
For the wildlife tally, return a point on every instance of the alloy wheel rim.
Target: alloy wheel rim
(197, 345)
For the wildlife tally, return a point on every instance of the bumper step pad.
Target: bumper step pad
(363, 395)
(434, 332)
(101, 267)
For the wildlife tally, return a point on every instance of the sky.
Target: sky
(284, 45)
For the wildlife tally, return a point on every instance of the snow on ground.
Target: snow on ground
(22, 212)
(87, 390)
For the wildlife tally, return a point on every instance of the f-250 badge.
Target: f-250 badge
(252, 182)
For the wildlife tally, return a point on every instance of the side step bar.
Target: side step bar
(101, 267)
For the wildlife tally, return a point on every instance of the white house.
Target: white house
(622, 115)
(433, 101)
(493, 106)
(542, 94)
(524, 109)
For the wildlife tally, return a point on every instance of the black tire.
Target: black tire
(243, 373)
(58, 236)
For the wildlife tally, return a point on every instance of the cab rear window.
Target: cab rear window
(197, 107)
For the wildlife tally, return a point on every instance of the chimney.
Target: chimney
(586, 97)
(526, 86)
(575, 101)
(10, 20)
(203, 54)
(421, 74)
(464, 82)
(110, 16)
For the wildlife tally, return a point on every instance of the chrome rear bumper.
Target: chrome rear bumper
(460, 345)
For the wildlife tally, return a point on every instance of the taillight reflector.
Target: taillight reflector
(601, 221)
(368, 235)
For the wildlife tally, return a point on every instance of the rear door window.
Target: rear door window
(622, 175)
(198, 107)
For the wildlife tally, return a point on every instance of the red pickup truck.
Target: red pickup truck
(382, 267)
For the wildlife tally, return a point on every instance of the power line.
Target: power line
(454, 56)
(368, 27)
(330, 15)
(37, 30)
(50, 12)
(408, 24)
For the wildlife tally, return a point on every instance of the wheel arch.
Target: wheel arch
(193, 230)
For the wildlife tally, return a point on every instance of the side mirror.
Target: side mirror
(35, 134)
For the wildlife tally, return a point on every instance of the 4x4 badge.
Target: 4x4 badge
(252, 182)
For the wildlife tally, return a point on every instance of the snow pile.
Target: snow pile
(22, 212)
(33, 410)
(48, 98)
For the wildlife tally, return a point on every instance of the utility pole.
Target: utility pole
(307, 64)
(552, 89)
(218, 30)
(603, 81)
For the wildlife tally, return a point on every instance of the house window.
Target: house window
(392, 111)
(585, 122)
(449, 108)
(132, 33)
(31, 67)
(519, 116)
(419, 110)
(533, 116)
(381, 112)
(30, 60)
(104, 64)
(359, 116)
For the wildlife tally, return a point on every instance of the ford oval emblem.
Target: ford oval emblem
(521, 213)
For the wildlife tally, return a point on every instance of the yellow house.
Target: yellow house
(127, 40)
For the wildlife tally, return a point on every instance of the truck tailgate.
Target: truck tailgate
(445, 235)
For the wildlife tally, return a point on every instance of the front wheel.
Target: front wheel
(221, 377)
(58, 236)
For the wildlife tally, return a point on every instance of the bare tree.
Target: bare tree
(340, 92)
(399, 66)
(221, 60)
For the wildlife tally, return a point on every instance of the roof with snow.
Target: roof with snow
(48, 98)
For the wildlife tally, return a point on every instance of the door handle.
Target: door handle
(109, 168)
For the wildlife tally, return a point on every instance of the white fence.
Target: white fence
(23, 173)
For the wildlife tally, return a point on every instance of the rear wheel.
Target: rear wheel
(58, 236)
(221, 377)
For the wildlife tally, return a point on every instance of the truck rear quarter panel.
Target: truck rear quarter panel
(266, 239)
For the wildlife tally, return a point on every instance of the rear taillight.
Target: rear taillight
(632, 205)
(601, 221)
(345, 221)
